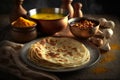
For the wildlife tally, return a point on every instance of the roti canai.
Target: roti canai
(58, 53)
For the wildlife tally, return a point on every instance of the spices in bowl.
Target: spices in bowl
(83, 27)
(23, 23)
(23, 30)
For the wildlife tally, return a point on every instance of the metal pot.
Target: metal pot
(50, 27)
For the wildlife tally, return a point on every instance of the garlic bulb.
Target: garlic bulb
(107, 33)
(102, 21)
(110, 24)
(97, 41)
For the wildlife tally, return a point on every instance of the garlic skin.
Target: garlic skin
(102, 21)
(110, 24)
(107, 33)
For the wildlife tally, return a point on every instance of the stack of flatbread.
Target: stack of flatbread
(58, 53)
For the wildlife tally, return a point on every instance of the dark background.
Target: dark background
(89, 6)
(110, 7)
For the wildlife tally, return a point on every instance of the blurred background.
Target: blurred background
(110, 7)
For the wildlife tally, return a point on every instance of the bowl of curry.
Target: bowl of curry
(50, 20)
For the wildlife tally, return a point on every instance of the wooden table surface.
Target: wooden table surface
(106, 68)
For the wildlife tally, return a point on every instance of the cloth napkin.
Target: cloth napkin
(10, 61)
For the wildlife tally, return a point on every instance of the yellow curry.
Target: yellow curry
(47, 16)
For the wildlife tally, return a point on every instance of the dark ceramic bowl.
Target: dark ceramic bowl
(83, 27)
(50, 27)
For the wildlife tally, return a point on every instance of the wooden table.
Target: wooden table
(106, 68)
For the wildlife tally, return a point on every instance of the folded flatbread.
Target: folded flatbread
(58, 53)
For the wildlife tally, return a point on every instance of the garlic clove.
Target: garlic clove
(99, 34)
(106, 47)
(107, 33)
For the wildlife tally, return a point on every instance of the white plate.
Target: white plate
(94, 57)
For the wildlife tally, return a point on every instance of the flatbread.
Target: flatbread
(57, 53)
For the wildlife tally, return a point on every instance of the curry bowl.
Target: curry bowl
(83, 27)
(50, 20)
